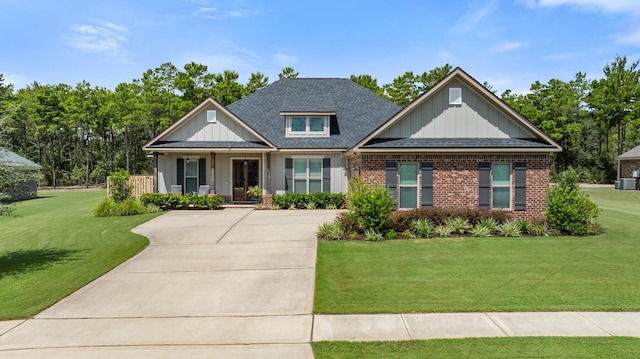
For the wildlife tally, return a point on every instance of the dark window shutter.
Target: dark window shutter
(484, 185)
(391, 170)
(427, 184)
(521, 186)
(180, 173)
(326, 175)
(202, 171)
(288, 174)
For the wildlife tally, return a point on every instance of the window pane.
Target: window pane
(501, 197)
(501, 174)
(298, 124)
(192, 168)
(316, 124)
(315, 168)
(315, 186)
(300, 186)
(408, 173)
(408, 197)
(300, 168)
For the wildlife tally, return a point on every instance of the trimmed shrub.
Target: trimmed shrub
(369, 206)
(171, 201)
(321, 200)
(570, 210)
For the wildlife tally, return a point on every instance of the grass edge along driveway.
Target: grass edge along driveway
(55, 246)
(503, 348)
(598, 273)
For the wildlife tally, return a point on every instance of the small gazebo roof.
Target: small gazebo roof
(11, 159)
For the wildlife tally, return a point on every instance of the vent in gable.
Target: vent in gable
(211, 116)
(455, 96)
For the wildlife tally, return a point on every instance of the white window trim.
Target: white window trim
(307, 132)
(510, 186)
(307, 176)
(400, 185)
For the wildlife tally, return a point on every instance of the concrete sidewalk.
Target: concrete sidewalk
(383, 327)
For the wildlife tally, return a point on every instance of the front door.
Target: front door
(245, 175)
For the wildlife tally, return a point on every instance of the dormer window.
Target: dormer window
(307, 125)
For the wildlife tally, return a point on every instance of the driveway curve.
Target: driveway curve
(234, 283)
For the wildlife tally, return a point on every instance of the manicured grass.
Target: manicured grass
(55, 246)
(599, 273)
(507, 348)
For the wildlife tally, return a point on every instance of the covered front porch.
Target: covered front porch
(228, 174)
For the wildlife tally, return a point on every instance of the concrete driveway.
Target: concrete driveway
(235, 283)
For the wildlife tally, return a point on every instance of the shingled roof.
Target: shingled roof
(358, 111)
(11, 159)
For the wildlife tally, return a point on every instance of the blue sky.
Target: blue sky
(509, 43)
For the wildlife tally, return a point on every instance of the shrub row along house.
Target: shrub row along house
(457, 145)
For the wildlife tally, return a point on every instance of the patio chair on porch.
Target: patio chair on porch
(203, 190)
(176, 188)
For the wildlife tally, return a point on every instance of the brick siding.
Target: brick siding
(455, 177)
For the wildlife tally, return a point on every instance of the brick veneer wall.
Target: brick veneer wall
(455, 177)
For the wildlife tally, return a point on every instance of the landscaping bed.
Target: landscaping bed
(465, 274)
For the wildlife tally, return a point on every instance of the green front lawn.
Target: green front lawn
(56, 246)
(599, 273)
(507, 348)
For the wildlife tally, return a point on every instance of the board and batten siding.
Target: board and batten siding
(224, 129)
(168, 171)
(474, 118)
(338, 170)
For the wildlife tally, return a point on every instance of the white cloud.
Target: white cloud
(561, 56)
(102, 36)
(473, 16)
(206, 9)
(210, 13)
(506, 46)
(284, 60)
(631, 38)
(610, 6)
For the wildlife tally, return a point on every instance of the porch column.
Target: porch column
(212, 155)
(268, 172)
(155, 172)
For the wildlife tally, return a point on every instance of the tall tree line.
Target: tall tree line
(81, 134)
